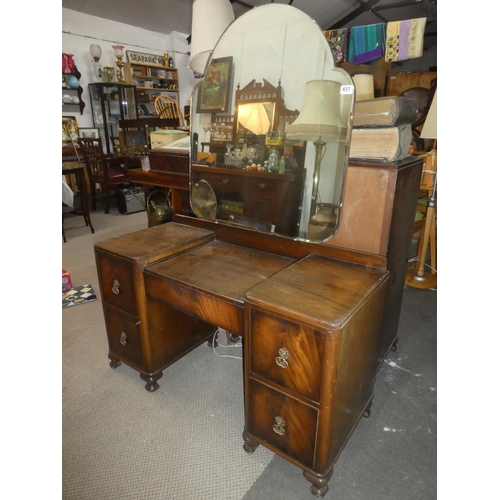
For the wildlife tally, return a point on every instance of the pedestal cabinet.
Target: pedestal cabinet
(120, 264)
(312, 333)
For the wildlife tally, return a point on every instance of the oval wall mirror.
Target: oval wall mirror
(271, 127)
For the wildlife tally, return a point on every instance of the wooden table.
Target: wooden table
(78, 170)
(167, 170)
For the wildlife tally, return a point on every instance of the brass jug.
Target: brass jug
(157, 214)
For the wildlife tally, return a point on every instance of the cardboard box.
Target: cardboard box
(66, 281)
(161, 138)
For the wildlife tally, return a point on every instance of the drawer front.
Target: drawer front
(124, 336)
(286, 353)
(117, 282)
(265, 188)
(283, 422)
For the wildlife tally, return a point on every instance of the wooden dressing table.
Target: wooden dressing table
(316, 318)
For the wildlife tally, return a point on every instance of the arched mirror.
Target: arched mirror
(271, 127)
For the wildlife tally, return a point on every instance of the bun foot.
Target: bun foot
(151, 381)
(319, 483)
(114, 363)
(249, 444)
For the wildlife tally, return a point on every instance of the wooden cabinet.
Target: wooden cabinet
(120, 263)
(399, 82)
(310, 364)
(151, 81)
(70, 94)
(262, 196)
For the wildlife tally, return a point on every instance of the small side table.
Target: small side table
(77, 169)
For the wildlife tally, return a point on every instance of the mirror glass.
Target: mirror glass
(271, 128)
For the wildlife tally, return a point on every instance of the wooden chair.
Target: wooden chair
(102, 169)
(166, 107)
(423, 97)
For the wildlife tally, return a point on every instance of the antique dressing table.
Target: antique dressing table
(315, 292)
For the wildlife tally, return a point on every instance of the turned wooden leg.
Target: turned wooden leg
(249, 444)
(319, 483)
(114, 363)
(368, 409)
(151, 380)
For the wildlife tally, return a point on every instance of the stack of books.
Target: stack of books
(382, 128)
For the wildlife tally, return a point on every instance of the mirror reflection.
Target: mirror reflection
(259, 160)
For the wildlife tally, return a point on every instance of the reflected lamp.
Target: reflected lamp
(319, 121)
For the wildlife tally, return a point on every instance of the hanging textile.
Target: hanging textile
(366, 43)
(337, 39)
(405, 39)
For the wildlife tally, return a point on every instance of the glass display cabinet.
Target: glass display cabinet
(111, 102)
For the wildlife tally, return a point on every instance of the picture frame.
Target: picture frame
(214, 92)
(88, 132)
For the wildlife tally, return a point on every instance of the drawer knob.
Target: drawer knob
(116, 287)
(262, 185)
(281, 359)
(279, 425)
(225, 181)
(123, 338)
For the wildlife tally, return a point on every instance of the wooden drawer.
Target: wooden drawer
(283, 422)
(286, 353)
(124, 336)
(117, 282)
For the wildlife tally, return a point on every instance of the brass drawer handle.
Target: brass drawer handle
(116, 287)
(123, 338)
(279, 425)
(225, 181)
(281, 359)
(262, 185)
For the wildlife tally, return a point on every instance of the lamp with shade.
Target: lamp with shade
(421, 278)
(210, 19)
(319, 121)
(96, 53)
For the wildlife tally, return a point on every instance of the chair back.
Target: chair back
(166, 107)
(93, 154)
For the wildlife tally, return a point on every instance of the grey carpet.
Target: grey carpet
(184, 440)
(120, 441)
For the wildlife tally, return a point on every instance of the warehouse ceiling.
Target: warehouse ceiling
(165, 16)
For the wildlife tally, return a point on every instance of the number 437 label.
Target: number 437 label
(346, 89)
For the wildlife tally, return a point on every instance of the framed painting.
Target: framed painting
(213, 96)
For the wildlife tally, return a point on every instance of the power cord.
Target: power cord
(217, 335)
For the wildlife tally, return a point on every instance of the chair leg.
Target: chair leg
(108, 196)
(63, 232)
(92, 196)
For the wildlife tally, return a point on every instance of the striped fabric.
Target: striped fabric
(366, 43)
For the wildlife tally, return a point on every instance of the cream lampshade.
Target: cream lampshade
(364, 87)
(210, 19)
(429, 130)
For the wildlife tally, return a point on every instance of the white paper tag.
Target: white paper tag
(346, 89)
